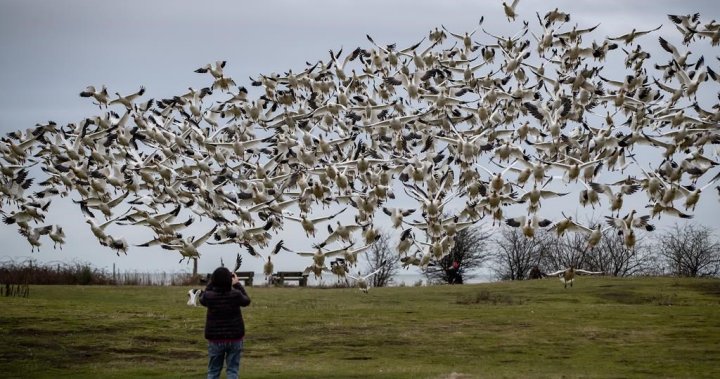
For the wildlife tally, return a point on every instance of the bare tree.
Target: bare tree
(568, 250)
(469, 253)
(381, 256)
(690, 250)
(612, 257)
(516, 255)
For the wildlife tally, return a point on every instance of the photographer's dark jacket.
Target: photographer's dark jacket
(224, 321)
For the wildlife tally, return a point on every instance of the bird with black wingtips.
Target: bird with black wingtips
(362, 280)
(101, 96)
(567, 275)
(509, 10)
(529, 225)
(629, 38)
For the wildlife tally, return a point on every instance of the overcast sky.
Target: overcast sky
(51, 50)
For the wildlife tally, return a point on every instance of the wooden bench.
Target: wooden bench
(245, 276)
(280, 277)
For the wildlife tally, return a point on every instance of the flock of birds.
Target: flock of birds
(481, 120)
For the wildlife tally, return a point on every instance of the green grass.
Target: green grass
(602, 327)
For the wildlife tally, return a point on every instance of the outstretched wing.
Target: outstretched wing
(588, 272)
(556, 273)
(373, 273)
(238, 262)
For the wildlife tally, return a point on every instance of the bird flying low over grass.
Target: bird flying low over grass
(362, 280)
(568, 275)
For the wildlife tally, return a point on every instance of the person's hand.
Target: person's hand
(235, 279)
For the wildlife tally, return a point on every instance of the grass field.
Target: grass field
(602, 327)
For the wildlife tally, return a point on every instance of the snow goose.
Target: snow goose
(528, 224)
(127, 101)
(319, 255)
(689, 21)
(216, 70)
(692, 193)
(466, 38)
(362, 280)
(102, 204)
(616, 199)
(188, 247)
(99, 229)
(573, 169)
(658, 209)
(268, 266)
(691, 82)
(594, 234)
(341, 232)
(510, 11)
(397, 214)
(567, 223)
(407, 240)
(713, 33)
(629, 38)
(57, 235)
(629, 221)
(117, 244)
(236, 232)
(507, 150)
(350, 255)
(33, 235)
(552, 119)
(390, 52)
(437, 36)
(100, 96)
(339, 268)
(568, 275)
(193, 296)
(447, 226)
(431, 205)
(555, 16)
(680, 59)
(535, 195)
(17, 152)
(497, 180)
(308, 224)
(574, 34)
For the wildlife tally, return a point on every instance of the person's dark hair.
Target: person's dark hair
(221, 279)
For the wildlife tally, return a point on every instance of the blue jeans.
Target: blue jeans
(228, 352)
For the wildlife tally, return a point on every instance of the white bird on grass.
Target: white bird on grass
(193, 296)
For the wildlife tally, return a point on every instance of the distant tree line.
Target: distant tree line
(31, 272)
(688, 250)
